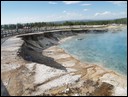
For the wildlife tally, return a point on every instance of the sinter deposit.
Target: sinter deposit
(35, 65)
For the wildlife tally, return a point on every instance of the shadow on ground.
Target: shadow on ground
(4, 91)
(34, 54)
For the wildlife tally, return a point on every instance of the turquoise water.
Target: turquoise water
(107, 49)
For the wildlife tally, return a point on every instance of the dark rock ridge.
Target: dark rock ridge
(33, 45)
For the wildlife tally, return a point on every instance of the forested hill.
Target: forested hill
(98, 22)
(66, 23)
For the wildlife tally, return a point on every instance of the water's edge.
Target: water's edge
(37, 43)
(98, 64)
(66, 41)
(49, 68)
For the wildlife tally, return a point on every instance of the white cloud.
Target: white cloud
(102, 13)
(85, 9)
(68, 16)
(45, 18)
(96, 14)
(123, 13)
(106, 12)
(118, 2)
(109, 15)
(54, 17)
(50, 2)
(64, 11)
(71, 2)
(85, 4)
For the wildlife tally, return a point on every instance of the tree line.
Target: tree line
(66, 23)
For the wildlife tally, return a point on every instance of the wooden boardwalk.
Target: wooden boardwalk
(41, 30)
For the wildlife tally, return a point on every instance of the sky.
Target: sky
(13, 12)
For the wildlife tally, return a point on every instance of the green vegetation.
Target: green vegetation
(102, 22)
(66, 23)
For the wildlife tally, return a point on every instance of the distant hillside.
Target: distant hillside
(66, 23)
(61, 22)
(97, 22)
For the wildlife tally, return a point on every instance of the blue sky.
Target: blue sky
(13, 12)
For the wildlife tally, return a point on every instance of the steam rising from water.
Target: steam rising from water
(108, 49)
